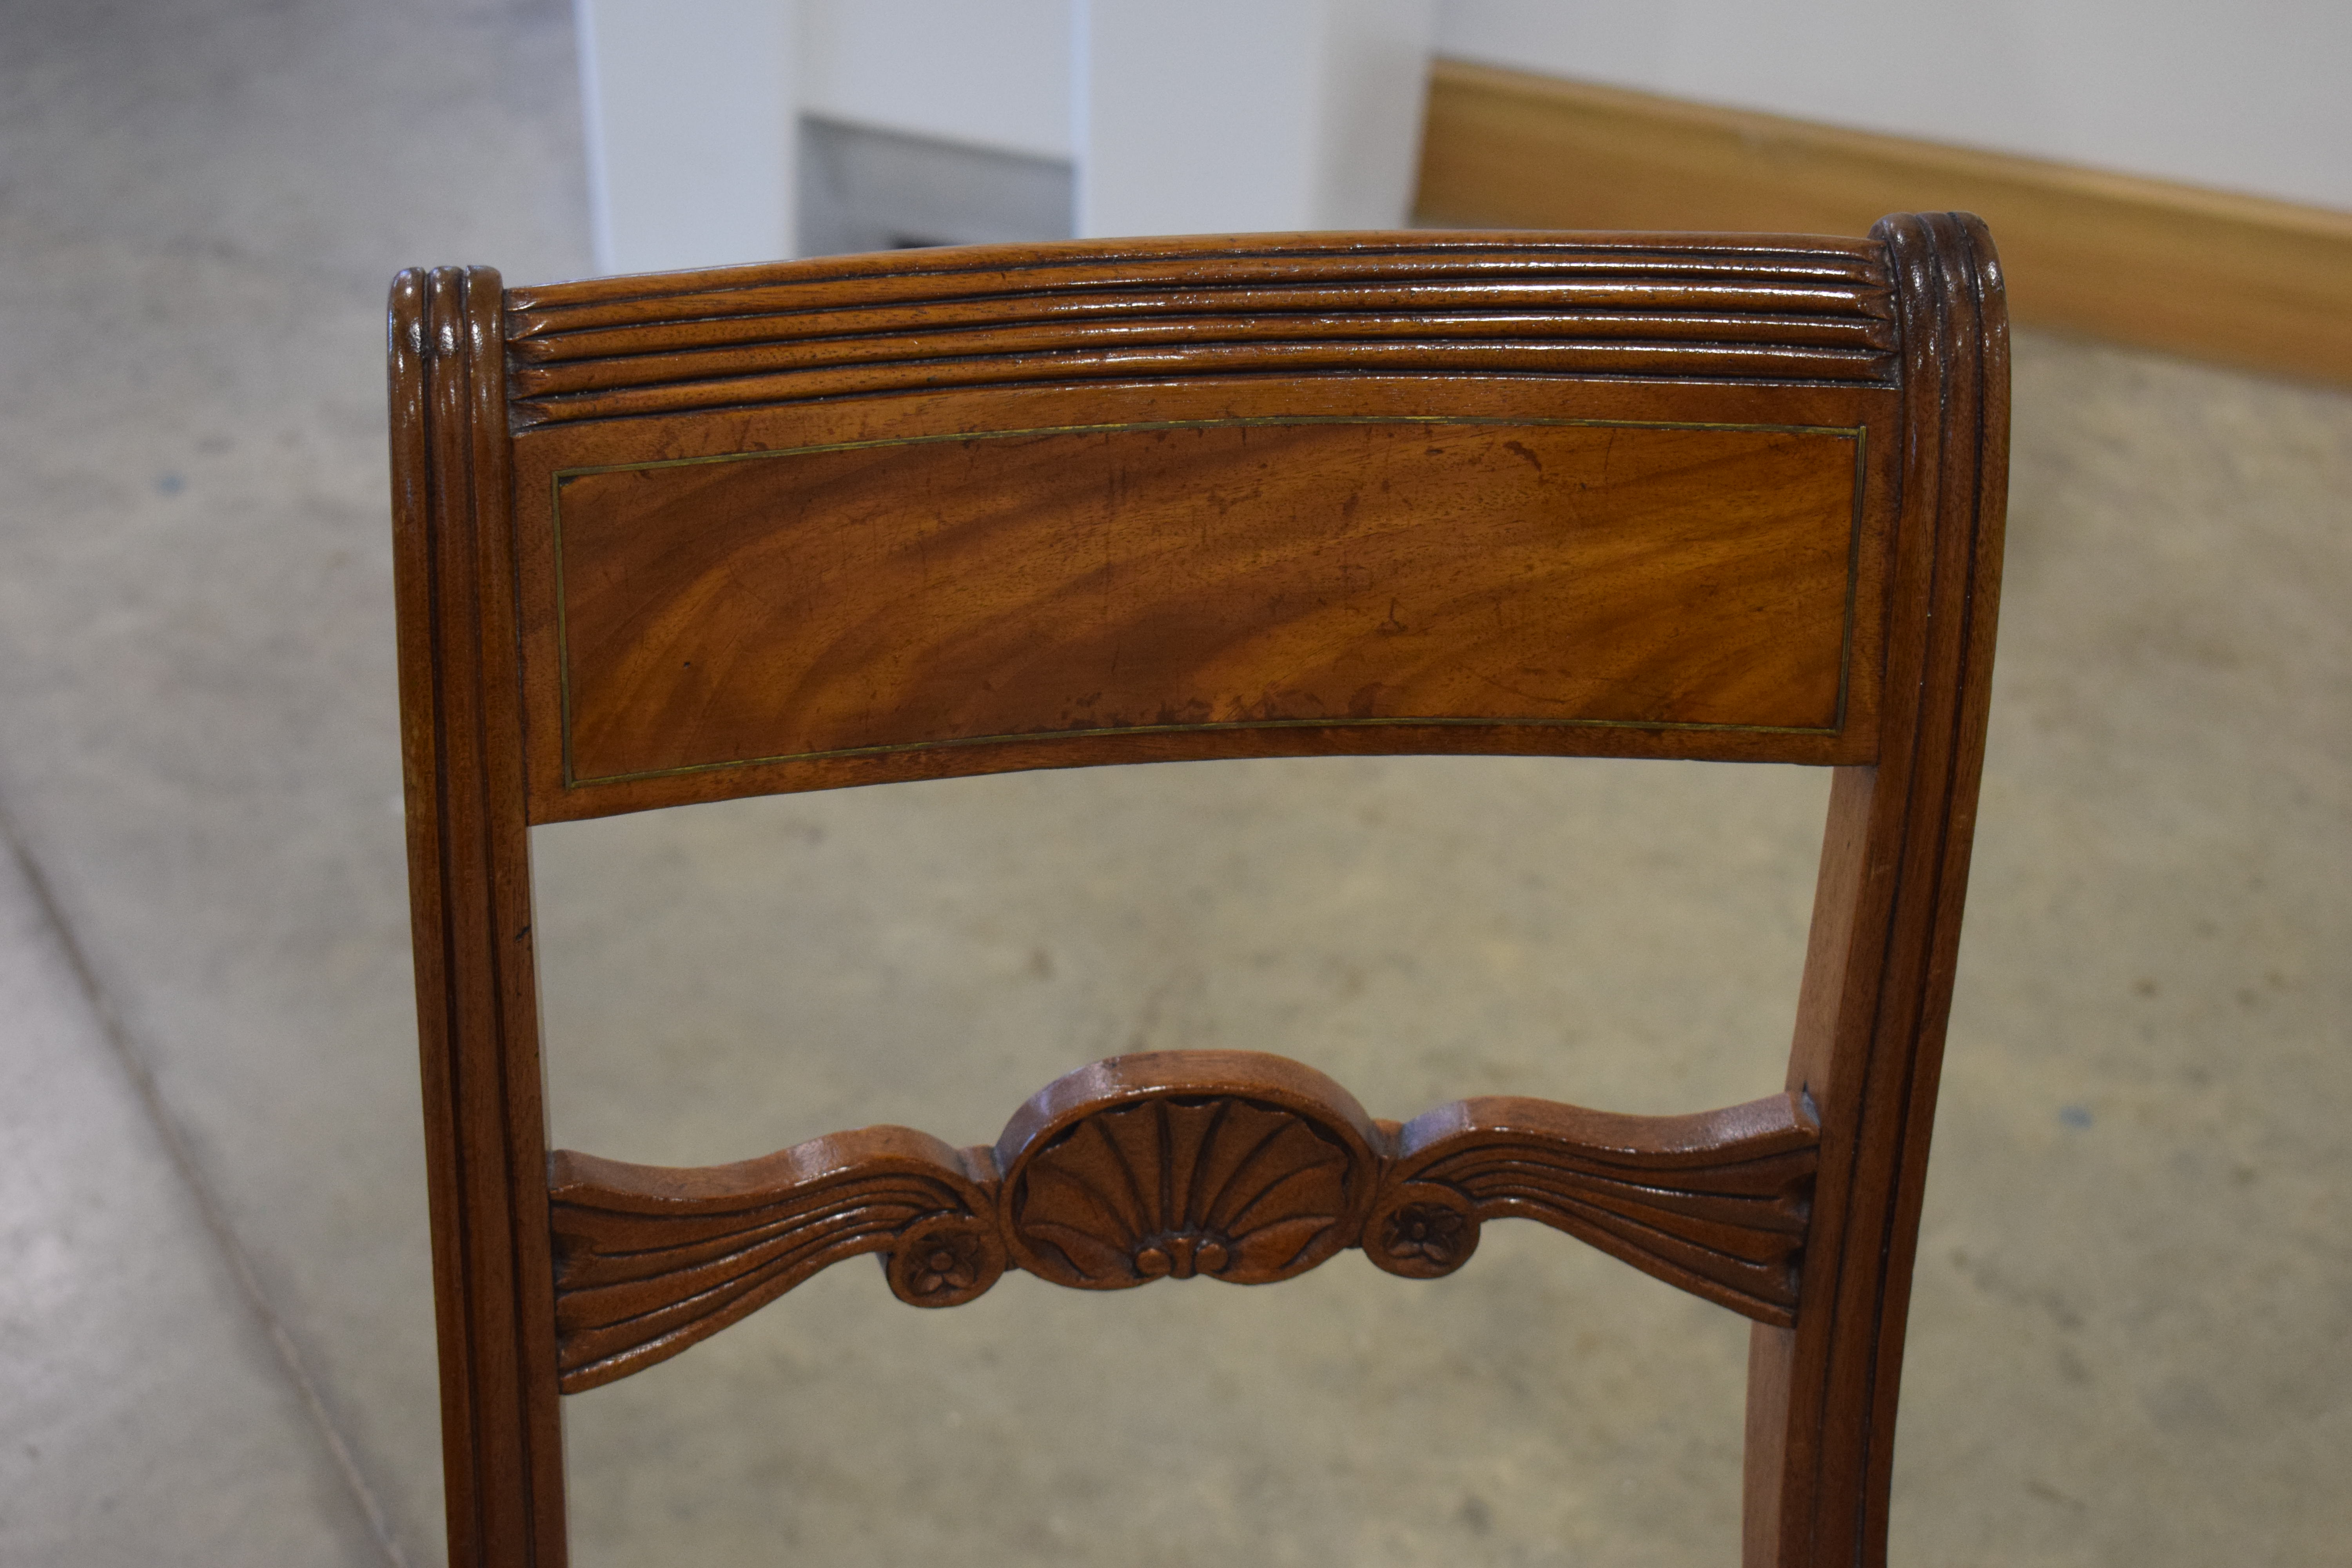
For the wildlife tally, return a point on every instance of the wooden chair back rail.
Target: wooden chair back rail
(693, 537)
(1235, 1164)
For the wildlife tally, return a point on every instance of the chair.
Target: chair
(691, 536)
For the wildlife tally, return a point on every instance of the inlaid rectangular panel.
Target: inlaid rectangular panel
(1194, 574)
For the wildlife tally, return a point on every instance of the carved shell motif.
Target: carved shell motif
(1236, 1189)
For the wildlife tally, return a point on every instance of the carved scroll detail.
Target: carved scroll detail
(1235, 1166)
(1716, 1203)
(648, 1259)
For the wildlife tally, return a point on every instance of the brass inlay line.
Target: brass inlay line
(1250, 420)
(1857, 433)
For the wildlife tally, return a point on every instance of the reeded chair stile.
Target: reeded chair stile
(691, 536)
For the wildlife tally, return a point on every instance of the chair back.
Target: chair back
(662, 540)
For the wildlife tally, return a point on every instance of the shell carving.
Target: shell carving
(1236, 1189)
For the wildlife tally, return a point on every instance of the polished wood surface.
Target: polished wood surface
(824, 525)
(818, 524)
(1230, 1166)
(2217, 275)
(1754, 306)
(1716, 1203)
(923, 592)
(1877, 986)
(469, 901)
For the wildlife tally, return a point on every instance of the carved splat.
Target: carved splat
(1231, 1164)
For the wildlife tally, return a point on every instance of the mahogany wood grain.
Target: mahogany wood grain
(650, 1260)
(1232, 1165)
(1878, 985)
(1775, 308)
(1019, 529)
(1183, 576)
(1716, 1203)
(469, 883)
(663, 540)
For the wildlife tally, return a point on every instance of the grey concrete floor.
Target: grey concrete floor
(2130, 1344)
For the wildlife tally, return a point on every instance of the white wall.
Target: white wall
(993, 73)
(1250, 115)
(1238, 114)
(1222, 115)
(1207, 116)
(691, 131)
(2247, 95)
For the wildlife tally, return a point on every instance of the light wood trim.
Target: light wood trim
(2242, 280)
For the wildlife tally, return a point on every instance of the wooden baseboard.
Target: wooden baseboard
(2242, 280)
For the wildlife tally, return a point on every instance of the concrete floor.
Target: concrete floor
(2130, 1344)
